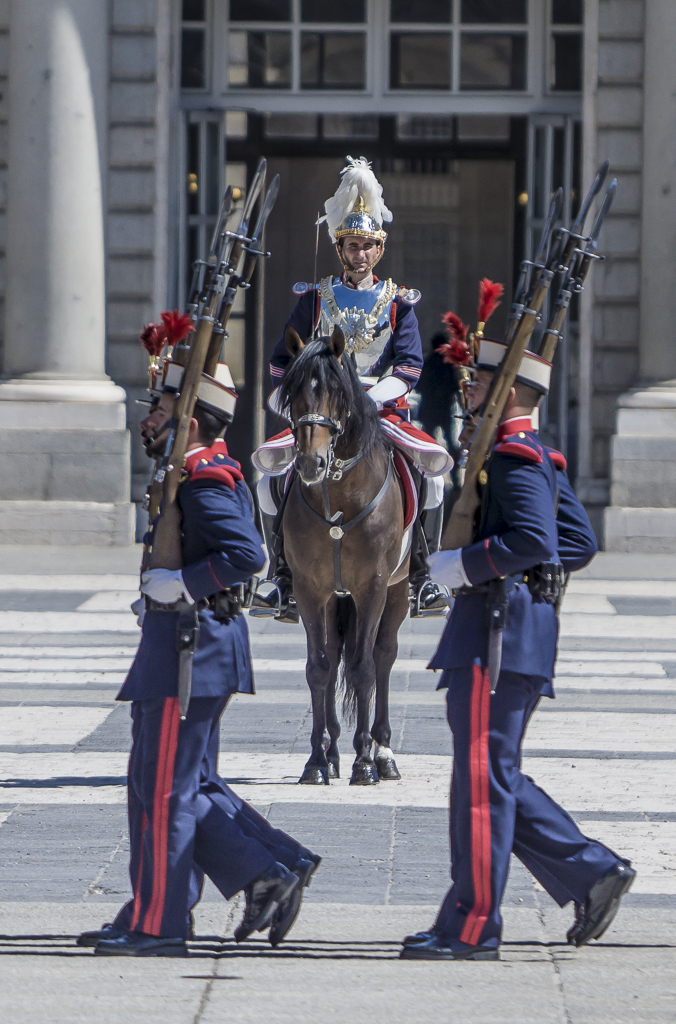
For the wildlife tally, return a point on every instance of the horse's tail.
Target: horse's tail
(345, 616)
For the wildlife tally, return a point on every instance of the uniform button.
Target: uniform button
(521, 433)
(204, 462)
(483, 477)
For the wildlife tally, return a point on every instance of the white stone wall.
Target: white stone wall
(139, 113)
(616, 282)
(4, 81)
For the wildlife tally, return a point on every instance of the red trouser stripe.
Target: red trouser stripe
(164, 782)
(480, 808)
(139, 876)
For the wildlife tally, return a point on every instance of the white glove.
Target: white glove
(164, 586)
(387, 390)
(139, 609)
(446, 567)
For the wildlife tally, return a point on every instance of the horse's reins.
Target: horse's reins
(337, 528)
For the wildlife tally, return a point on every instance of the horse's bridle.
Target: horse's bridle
(334, 471)
(334, 467)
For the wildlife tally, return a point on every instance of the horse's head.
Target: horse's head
(312, 389)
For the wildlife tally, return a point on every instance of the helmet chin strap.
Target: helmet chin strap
(346, 265)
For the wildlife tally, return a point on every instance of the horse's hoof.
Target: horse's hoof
(364, 774)
(387, 769)
(314, 776)
(334, 770)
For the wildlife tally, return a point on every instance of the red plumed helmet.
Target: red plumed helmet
(177, 325)
(490, 293)
(153, 338)
(457, 351)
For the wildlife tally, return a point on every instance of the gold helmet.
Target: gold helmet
(357, 208)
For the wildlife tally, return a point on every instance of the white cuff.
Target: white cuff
(387, 390)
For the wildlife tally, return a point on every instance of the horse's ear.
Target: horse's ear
(293, 341)
(337, 342)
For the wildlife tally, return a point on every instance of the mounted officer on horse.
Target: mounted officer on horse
(361, 498)
(382, 339)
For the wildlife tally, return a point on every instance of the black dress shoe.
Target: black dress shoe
(601, 905)
(138, 944)
(106, 931)
(428, 598)
(438, 948)
(287, 911)
(263, 896)
(415, 940)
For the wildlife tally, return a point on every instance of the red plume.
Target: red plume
(490, 293)
(457, 351)
(153, 338)
(177, 325)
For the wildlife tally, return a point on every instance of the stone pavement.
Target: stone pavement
(606, 748)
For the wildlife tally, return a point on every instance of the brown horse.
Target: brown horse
(343, 526)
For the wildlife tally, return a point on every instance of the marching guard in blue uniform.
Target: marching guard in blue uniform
(184, 820)
(533, 531)
(382, 337)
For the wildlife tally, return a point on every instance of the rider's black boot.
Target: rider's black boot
(278, 599)
(427, 597)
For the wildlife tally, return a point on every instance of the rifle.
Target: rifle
(460, 529)
(164, 549)
(578, 255)
(571, 254)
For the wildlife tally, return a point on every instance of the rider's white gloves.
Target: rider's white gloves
(446, 567)
(165, 586)
(387, 390)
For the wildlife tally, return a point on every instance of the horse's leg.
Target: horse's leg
(321, 669)
(385, 653)
(360, 677)
(333, 729)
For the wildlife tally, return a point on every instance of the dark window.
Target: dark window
(492, 61)
(567, 62)
(420, 60)
(260, 60)
(420, 10)
(260, 10)
(194, 10)
(333, 11)
(334, 60)
(494, 12)
(567, 12)
(193, 74)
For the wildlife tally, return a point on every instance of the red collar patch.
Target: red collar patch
(213, 463)
(518, 425)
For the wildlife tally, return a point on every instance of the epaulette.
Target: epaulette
(409, 296)
(558, 458)
(520, 445)
(213, 463)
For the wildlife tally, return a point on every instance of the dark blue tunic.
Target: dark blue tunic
(221, 548)
(403, 351)
(521, 526)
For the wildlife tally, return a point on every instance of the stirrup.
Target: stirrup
(282, 606)
(440, 604)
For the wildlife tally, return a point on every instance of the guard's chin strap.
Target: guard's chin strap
(346, 265)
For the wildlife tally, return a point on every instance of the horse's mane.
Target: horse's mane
(349, 402)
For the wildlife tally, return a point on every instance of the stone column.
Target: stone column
(64, 449)
(642, 516)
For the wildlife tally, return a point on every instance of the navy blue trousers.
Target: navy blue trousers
(185, 821)
(496, 810)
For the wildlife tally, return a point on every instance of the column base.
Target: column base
(642, 513)
(64, 463)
